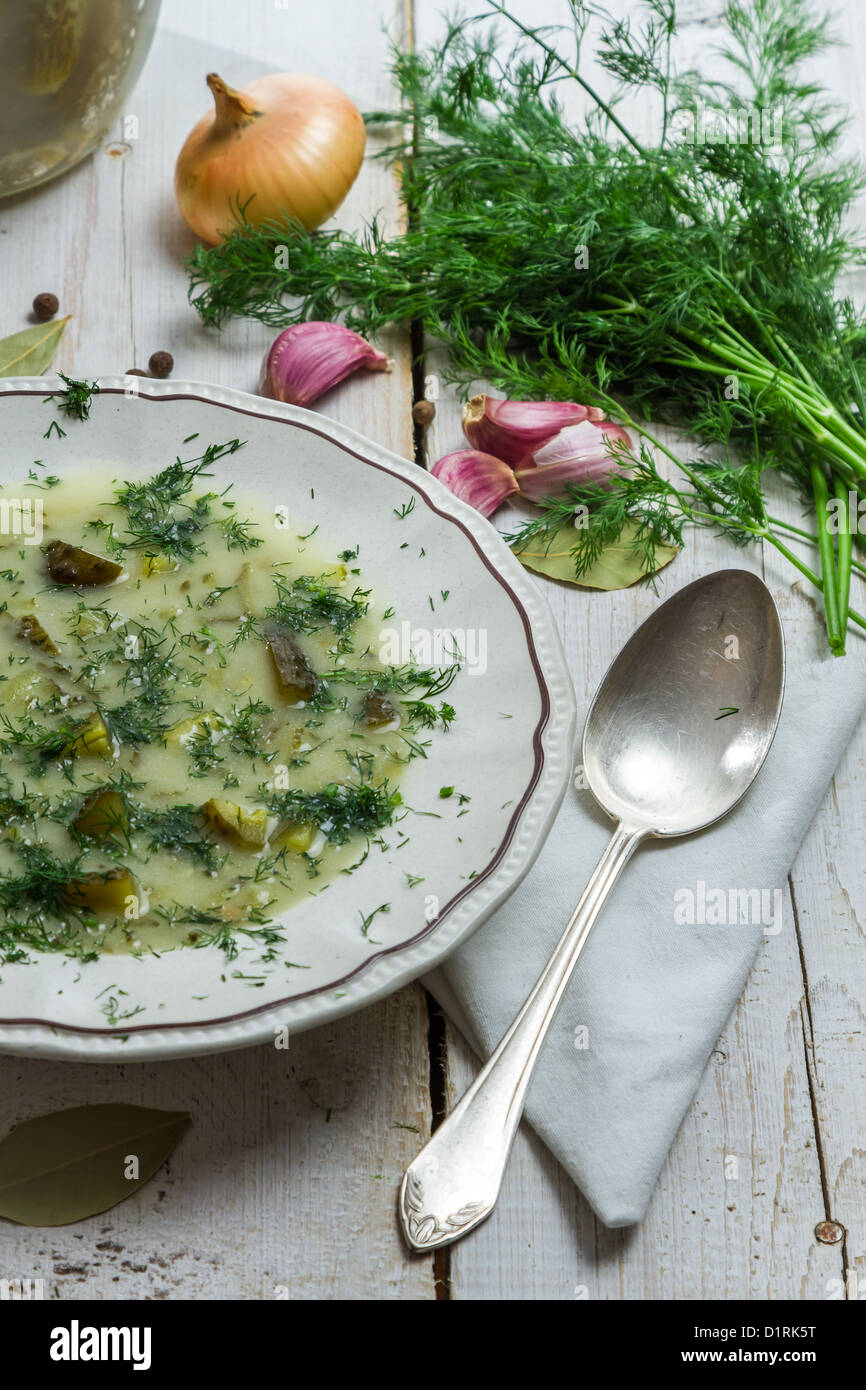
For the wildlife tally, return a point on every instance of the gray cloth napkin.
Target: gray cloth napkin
(652, 994)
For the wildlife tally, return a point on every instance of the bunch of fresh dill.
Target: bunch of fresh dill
(691, 280)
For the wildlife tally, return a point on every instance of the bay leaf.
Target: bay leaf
(73, 1163)
(616, 568)
(31, 352)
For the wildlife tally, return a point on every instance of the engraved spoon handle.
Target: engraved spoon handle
(454, 1182)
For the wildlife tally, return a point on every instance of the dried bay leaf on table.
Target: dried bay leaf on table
(31, 352)
(70, 1164)
(619, 565)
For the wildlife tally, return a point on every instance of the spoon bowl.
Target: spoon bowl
(686, 713)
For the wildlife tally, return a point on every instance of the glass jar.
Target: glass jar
(66, 68)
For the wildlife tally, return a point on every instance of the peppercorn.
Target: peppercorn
(161, 363)
(45, 306)
(423, 413)
(134, 371)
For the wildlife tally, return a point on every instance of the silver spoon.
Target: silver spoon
(675, 735)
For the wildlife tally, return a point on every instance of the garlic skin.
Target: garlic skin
(479, 479)
(577, 454)
(289, 144)
(512, 429)
(307, 359)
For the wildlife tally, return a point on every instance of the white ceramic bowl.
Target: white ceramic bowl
(509, 750)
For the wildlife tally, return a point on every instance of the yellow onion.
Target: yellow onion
(287, 144)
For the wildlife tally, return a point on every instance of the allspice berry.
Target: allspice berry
(423, 413)
(161, 363)
(45, 306)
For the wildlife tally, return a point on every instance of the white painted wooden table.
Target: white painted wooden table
(286, 1183)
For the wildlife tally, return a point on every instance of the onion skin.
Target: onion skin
(512, 429)
(289, 144)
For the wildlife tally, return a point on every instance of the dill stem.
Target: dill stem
(805, 394)
(836, 634)
(825, 431)
(779, 345)
(844, 554)
(818, 413)
(670, 184)
(828, 560)
(795, 530)
(735, 350)
(696, 515)
(812, 538)
(572, 72)
(853, 615)
(761, 369)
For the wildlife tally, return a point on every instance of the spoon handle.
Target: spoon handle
(454, 1182)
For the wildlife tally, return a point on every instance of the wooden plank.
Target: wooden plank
(829, 885)
(706, 1235)
(829, 877)
(288, 1175)
(284, 1186)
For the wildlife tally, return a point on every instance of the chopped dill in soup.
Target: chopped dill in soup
(195, 726)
